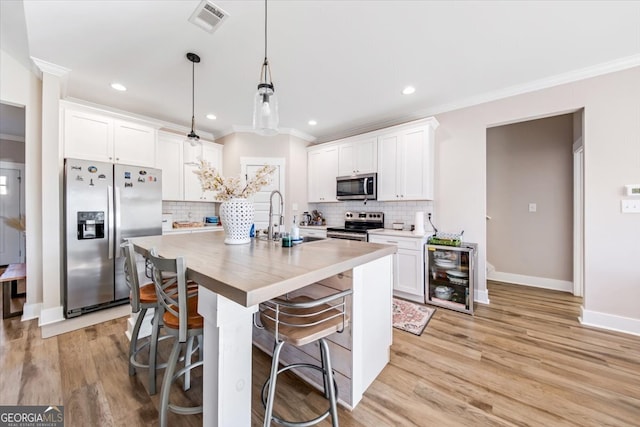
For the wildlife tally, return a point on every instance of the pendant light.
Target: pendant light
(192, 137)
(265, 106)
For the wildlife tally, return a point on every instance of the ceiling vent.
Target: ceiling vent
(208, 16)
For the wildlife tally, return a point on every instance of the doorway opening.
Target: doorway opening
(534, 202)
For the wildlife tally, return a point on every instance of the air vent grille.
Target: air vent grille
(208, 16)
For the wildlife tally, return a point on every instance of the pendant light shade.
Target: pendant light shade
(265, 104)
(192, 137)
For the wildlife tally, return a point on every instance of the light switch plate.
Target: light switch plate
(630, 205)
(533, 207)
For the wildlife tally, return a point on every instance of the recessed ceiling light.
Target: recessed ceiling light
(312, 122)
(211, 116)
(118, 87)
(408, 90)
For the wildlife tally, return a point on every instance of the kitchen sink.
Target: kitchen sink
(306, 239)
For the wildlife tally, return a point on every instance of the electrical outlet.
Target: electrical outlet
(533, 207)
(630, 205)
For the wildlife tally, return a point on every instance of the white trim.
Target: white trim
(281, 131)
(50, 316)
(60, 327)
(481, 296)
(536, 282)
(7, 137)
(49, 68)
(610, 322)
(31, 311)
(578, 218)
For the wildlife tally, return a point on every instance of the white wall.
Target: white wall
(531, 162)
(612, 158)
(20, 87)
(291, 148)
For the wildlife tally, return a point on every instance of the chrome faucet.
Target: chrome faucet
(270, 231)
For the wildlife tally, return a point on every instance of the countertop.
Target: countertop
(312, 227)
(189, 229)
(399, 233)
(255, 272)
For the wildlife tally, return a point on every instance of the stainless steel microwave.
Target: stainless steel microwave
(357, 187)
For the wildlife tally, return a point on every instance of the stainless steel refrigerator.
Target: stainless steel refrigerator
(104, 205)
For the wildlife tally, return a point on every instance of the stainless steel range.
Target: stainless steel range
(357, 225)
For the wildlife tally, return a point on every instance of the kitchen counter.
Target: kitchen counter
(234, 279)
(193, 229)
(399, 233)
(314, 227)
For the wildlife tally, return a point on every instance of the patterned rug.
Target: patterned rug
(411, 317)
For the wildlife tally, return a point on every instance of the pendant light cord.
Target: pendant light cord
(193, 92)
(265, 31)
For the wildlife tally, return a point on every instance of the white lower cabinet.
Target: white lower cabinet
(408, 272)
(313, 232)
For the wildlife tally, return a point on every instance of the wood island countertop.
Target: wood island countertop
(252, 273)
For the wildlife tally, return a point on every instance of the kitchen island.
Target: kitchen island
(234, 279)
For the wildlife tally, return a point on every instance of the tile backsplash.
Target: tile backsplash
(404, 212)
(190, 211)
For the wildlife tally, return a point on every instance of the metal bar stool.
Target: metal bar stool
(142, 298)
(299, 321)
(179, 308)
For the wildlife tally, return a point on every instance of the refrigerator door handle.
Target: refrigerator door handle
(110, 221)
(117, 215)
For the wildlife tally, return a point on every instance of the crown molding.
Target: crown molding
(49, 68)
(281, 131)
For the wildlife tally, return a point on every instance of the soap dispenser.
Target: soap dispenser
(295, 231)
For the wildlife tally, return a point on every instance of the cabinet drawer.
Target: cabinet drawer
(401, 242)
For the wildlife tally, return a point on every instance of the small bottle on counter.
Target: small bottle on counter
(295, 230)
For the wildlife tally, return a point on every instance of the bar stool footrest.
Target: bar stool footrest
(307, 423)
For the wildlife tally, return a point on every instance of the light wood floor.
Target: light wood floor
(522, 361)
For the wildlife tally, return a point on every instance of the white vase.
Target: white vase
(237, 217)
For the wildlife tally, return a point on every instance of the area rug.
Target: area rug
(411, 317)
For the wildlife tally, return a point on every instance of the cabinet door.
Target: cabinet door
(387, 167)
(88, 136)
(169, 159)
(409, 277)
(213, 154)
(346, 159)
(366, 155)
(323, 170)
(134, 144)
(358, 157)
(415, 177)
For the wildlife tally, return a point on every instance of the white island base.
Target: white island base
(358, 354)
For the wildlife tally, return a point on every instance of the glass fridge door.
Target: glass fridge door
(450, 277)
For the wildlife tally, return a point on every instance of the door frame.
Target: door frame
(578, 218)
(21, 187)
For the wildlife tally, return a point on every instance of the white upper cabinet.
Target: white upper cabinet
(406, 162)
(177, 159)
(358, 156)
(208, 151)
(322, 172)
(169, 159)
(95, 136)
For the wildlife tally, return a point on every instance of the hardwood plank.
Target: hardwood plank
(524, 360)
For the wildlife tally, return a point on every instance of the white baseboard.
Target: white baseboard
(609, 321)
(31, 311)
(481, 296)
(51, 315)
(68, 325)
(537, 282)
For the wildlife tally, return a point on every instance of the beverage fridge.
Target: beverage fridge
(104, 205)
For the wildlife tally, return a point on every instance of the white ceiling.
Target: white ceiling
(342, 63)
